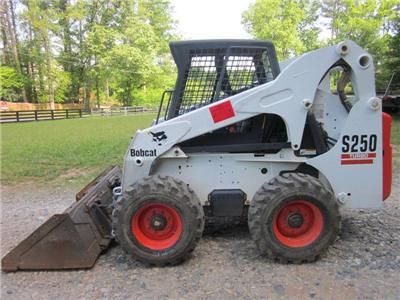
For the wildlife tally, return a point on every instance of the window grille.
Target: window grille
(215, 74)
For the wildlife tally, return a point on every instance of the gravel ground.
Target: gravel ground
(363, 263)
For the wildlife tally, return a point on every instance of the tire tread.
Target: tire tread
(277, 187)
(160, 185)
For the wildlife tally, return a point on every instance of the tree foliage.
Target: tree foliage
(290, 24)
(11, 82)
(116, 51)
(392, 64)
(293, 27)
(368, 23)
(88, 50)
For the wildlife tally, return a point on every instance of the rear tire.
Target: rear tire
(158, 220)
(293, 218)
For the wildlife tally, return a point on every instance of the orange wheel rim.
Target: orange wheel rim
(157, 226)
(298, 224)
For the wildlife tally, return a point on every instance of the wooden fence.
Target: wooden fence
(14, 106)
(58, 114)
(39, 115)
(124, 110)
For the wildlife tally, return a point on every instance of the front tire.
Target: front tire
(293, 218)
(158, 220)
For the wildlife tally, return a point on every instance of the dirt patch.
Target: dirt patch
(76, 173)
(363, 263)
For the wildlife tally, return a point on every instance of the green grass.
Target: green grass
(69, 150)
(76, 150)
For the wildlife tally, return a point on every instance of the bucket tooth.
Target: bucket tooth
(74, 239)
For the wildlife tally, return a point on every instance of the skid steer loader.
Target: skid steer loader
(243, 137)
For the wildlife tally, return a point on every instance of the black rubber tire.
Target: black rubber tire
(172, 192)
(268, 201)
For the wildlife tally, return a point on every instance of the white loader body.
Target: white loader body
(352, 167)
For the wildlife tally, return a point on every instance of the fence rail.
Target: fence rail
(39, 115)
(124, 110)
(59, 114)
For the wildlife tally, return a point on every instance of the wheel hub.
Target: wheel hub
(295, 220)
(156, 226)
(298, 223)
(158, 222)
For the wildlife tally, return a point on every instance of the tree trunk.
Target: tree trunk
(49, 72)
(31, 67)
(88, 89)
(107, 92)
(6, 57)
(65, 25)
(97, 92)
(11, 25)
(33, 78)
(86, 98)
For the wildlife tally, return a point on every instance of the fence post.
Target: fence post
(52, 114)
(35, 115)
(66, 113)
(17, 115)
(80, 113)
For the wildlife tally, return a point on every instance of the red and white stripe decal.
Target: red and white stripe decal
(357, 158)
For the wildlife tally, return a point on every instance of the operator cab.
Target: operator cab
(213, 70)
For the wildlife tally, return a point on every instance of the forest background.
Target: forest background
(115, 52)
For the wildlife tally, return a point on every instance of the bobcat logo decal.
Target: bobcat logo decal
(158, 137)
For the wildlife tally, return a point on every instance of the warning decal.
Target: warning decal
(222, 111)
(357, 158)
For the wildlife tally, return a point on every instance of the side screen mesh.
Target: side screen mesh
(201, 78)
(215, 74)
